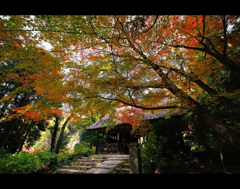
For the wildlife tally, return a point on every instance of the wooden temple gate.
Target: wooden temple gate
(118, 139)
(115, 140)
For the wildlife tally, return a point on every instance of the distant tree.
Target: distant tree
(88, 137)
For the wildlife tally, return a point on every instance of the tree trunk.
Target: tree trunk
(54, 134)
(8, 130)
(209, 120)
(59, 143)
(205, 116)
(227, 102)
(23, 139)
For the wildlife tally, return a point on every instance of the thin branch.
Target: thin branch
(187, 47)
(157, 86)
(131, 97)
(142, 107)
(151, 25)
(57, 31)
(209, 90)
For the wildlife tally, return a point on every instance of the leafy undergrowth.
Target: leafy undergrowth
(201, 164)
(25, 162)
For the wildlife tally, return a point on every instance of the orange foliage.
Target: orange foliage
(114, 59)
(129, 115)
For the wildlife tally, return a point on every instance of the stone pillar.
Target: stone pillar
(135, 158)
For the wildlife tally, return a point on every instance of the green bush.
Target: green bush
(164, 148)
(81, 149)
(152, 157)
(92, 150)
(84, 149)
(25, 162)
(64, 157)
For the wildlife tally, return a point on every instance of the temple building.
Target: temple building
(118, 138)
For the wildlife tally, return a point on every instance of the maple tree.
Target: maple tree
(144, 61)
(32, 67)
(141, 60)
(29, 77)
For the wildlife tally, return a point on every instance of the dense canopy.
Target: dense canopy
(78, 66)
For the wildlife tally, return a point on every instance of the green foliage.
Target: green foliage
(92, 150)
(88, 137)
(84, 149)
(65, 156)
(152, 158)
(13, 134)
(13, 95)
(25, 162)
(81, 148)
(109, 123)
(164, 147)
(70, 136)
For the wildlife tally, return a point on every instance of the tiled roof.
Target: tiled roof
(97, 125)
(147, 116)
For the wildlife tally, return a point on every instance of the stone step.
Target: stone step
(105, 164)
(120, 156)
(83, 168)
(118, 159)
(69, 171)
(111, 167)
(124, 158)
(122, 171)
(98, 171)
(91, 160)
(84, 163)
(68, 167)
(113, 162)
(93, 157)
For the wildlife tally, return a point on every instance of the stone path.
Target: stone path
(98, 164)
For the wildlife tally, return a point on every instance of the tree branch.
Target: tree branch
(231, 65)
(142, 107)
(187, 47)
(151, 25)
(56, 31)
(208, 89)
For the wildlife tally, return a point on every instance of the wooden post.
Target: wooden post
(97, 142)
(118, 137)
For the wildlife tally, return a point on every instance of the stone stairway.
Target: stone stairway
(97, 164)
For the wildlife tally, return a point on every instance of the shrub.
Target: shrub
(84, 149)
(164, 148)
(152, 157)
(81, 149)
(92, 150)
(25, 162)
(64, 157)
